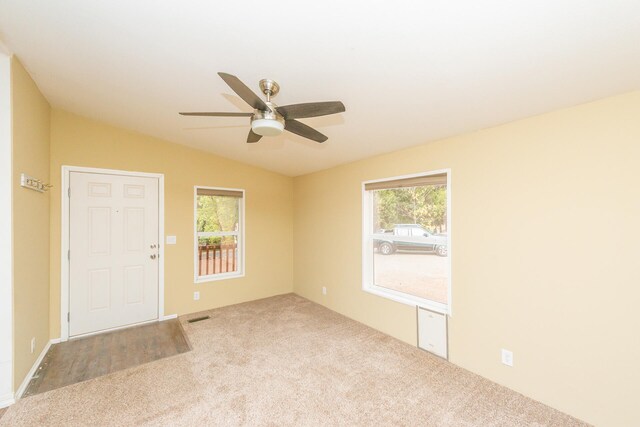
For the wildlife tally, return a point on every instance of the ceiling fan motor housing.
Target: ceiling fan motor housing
(267, 123)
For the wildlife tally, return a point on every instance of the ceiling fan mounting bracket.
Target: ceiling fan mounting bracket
(269, 88)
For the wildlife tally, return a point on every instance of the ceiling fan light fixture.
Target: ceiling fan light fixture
(267, 127)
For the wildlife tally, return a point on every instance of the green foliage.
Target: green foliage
(217, 241)
(424, 205)
(216, 214)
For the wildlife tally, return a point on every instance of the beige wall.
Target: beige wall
(546, 225)
(30, 222)
(78, 141)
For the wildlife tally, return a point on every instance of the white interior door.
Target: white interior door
(113, 241)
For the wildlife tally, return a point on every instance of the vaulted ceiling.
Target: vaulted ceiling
(408, 72)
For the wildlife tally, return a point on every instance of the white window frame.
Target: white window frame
(240, 233)
(367, 252)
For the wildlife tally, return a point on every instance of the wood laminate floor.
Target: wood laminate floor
(86, 358)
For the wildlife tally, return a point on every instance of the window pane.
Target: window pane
(218, 213)
(217, 255)
(410, 241)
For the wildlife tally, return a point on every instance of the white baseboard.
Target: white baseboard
(32, 371)
(7, 400)
(169, 317)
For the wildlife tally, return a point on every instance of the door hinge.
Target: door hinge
(68, 316)
(69, 254)
(69, 191)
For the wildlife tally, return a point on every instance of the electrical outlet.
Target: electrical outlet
(196, 296)
(507, 357)
(33, 344)
(324, 290)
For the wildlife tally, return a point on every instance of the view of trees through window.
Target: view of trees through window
(217, 214)
(424, 205)
(217, 228)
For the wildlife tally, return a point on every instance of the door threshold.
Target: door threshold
(102, 331)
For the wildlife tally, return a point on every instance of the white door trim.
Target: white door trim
(6, 231)
(64, 260)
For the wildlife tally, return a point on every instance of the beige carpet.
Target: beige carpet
(286, 361)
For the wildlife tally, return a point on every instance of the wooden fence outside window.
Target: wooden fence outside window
(216, 259)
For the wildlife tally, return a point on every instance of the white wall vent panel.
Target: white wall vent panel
(432, 332)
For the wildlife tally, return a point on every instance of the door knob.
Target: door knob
(153, 256)
(153, 246)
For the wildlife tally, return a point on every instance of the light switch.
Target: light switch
(171, 240)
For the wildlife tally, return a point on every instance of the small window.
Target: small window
(219, 233)
(407, 239)
(402, 231)
(418, 232)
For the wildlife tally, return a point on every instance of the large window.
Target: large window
(219, 233)
(407, 239)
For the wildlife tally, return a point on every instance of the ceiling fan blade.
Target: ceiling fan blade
(244, 92)
(303, 130)
(253, 137)
(311, 109)
(218, 114)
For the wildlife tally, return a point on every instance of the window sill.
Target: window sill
(218, 277)
(408, 299)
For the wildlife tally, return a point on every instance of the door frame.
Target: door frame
(64, 243)
(6, 231)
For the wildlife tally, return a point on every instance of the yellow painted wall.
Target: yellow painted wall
(78, 141)
(545, 238)
(30, 222)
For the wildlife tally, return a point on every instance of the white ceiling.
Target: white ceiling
(408, 72)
